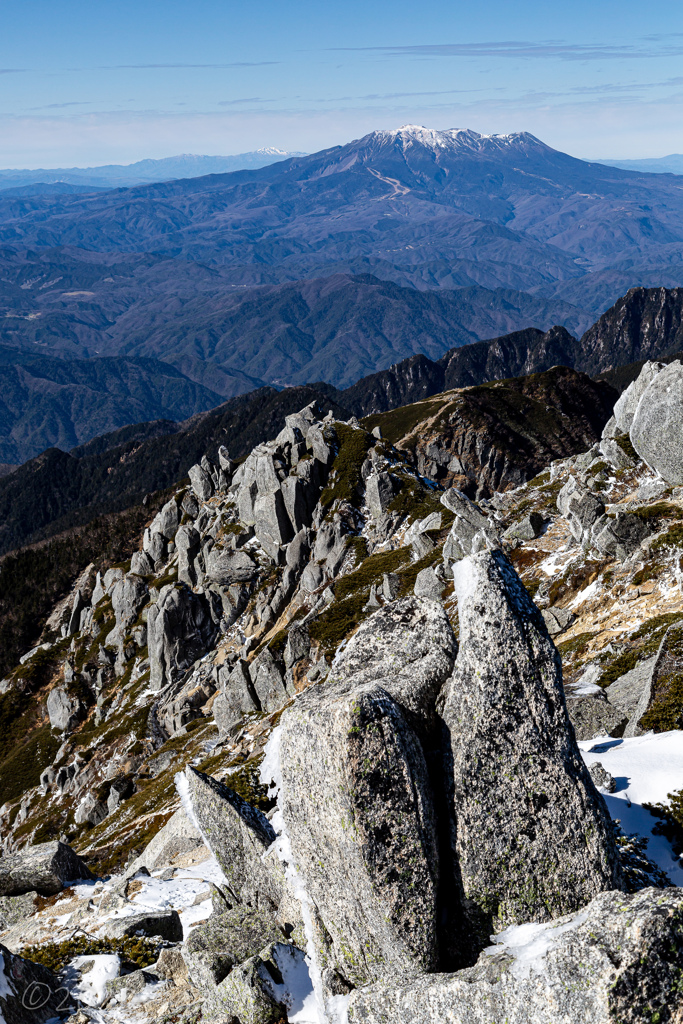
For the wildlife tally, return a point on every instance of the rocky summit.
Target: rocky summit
(374, 721)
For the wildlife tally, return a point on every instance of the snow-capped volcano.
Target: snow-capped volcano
(452, 138)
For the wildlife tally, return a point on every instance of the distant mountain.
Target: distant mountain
(672, 164)
(419, 207)
(188, 165)
(76, 304)
(646, 323)
(52, 402)
(514, 355)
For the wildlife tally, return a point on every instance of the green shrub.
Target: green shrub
(577, 644)
(134, 951)
(370, 571)
(20, 769)
(338, 621)
(660, 510)
(624, 442)
(671, 823)
(344, 482)
(673, 538)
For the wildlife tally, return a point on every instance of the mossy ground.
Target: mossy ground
(399, 423)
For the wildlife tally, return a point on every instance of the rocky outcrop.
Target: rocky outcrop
(358, 811)
(619, 959)
(471, 530)
(656, 428)
(46, 868)
(229, 937)
(127, 597)
(594, 716)
(527, 528)
(581, 508)
(250, 992)
(557, 619)
(238, 835)
(165, 924)
(179, 630)
(64, 710)
(29, 993)
(627, 404)
(531, 837)
(178, 836)
(646, 323)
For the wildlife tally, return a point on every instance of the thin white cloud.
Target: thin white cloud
(524, 50)
(157, 67)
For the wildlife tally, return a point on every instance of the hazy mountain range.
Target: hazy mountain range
(69, 180)
(672, 164)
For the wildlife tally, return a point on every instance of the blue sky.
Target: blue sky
(94, 82)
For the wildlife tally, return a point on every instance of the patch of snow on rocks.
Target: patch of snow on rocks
(589, 592)
(271, 775)
(586, 685)
(646, 769)
(6, 990)
(464, 580)
(529, 943)
(91, 989)
(296, 991)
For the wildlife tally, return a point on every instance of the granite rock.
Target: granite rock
(619, 959)
(531, 836)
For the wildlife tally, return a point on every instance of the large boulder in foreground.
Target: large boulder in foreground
(356, 797)
(532, 837)
(29, 993)
(657, 428)
(358, 812)
(626, 405)
(618, 960)
(46, 868)
(409, 645)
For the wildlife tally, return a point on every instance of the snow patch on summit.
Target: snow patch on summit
(453, 138)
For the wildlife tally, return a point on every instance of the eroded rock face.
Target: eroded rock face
(357, 807)
(46, 868)
(179, 630)
(581, 508)
(531, 837)
(64, 710)
(471, 531)
(656, 432)
(128, 597)
(619, 959)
